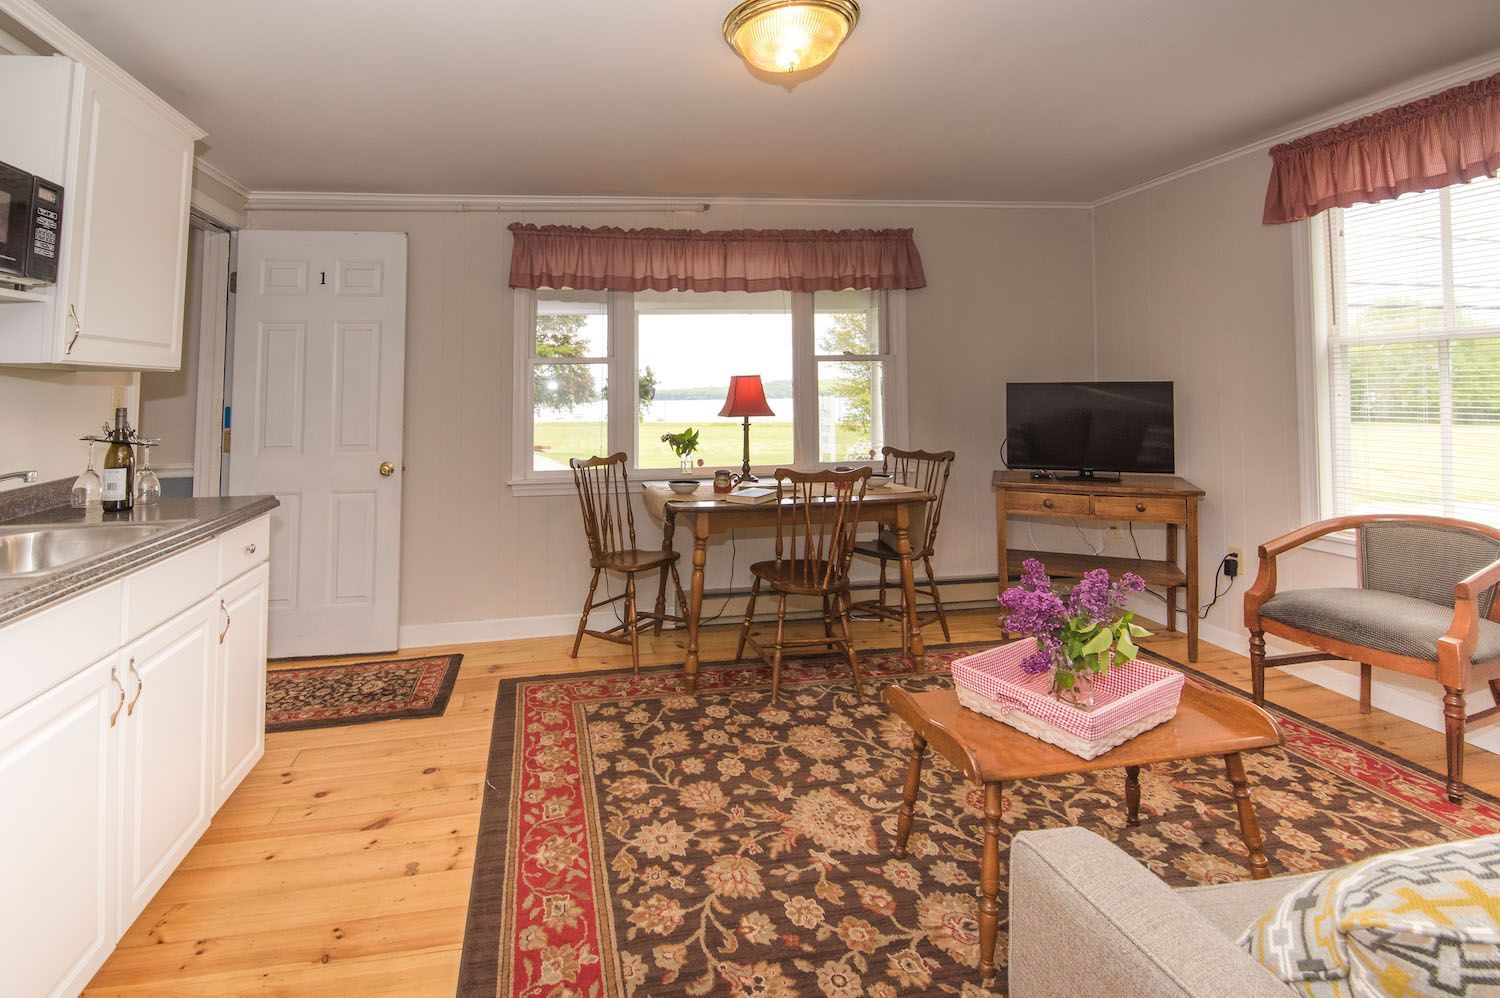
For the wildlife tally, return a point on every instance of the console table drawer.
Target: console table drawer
(1048, 503)
(1140, 508)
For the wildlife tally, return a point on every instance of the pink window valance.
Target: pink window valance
(1449, 138)
(610, 259)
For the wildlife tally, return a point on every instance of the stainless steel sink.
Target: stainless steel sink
(28, 550)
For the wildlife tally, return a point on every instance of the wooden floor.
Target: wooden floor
(342, 864)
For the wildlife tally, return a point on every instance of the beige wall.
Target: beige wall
(1191, 286)
(1009, 299)
(43, 414)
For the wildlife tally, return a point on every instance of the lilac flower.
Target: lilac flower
(1044, 658)
(1036, 611)
(1133, 582)
(1033, 611)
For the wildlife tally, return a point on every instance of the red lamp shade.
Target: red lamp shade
(747, 397)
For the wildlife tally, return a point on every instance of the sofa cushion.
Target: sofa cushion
(1233, 908)
(1418, 922)
(1402, 625)
(1424, 560)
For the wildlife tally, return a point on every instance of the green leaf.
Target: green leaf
(1100, 642)
(1065, 680)
(1086, 627)
(1126, 649)
(1137, 631)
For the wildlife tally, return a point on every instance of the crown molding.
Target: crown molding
(1423, 87)
(217, 175)
(32, 18)
(350, 201)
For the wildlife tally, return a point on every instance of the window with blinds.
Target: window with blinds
(1411, 354)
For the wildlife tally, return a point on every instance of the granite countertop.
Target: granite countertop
(193, 521)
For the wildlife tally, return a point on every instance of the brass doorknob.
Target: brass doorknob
(387, 469)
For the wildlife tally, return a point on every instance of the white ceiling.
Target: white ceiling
(1001, 100)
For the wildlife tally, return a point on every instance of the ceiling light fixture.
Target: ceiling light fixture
(784, 36)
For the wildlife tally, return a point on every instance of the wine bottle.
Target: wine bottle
(119, 468)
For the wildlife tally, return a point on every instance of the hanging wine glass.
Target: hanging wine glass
(147, 485)
(87, 487)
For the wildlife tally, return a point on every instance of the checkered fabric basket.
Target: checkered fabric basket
(1128, 700)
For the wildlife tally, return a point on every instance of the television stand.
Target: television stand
(1163, 499)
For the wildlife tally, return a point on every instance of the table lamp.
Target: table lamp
(747, 397)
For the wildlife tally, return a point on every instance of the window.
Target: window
(1408, 309)
(687, 346)
(831, 364)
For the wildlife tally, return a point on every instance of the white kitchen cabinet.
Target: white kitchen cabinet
(241, 680)
(166, 750)
(58, 837)
(111, 771)
(127, 180)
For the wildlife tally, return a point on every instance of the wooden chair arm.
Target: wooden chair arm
(1456, 647)
(1265, 579)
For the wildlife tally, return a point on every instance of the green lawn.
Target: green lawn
(720, 445)
(1414, 451)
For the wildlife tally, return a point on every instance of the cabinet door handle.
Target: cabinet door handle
(249, 548)
(1047, 503)
(140, 684)
(227, 620)
(1140, 507)
(77, 329)
(114, 677)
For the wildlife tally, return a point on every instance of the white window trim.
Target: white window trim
(524, 481)
(1310, 291)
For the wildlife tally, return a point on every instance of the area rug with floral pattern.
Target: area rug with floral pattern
(636, 840)
(327, 696)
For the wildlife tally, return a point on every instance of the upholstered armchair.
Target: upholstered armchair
(1425, 607)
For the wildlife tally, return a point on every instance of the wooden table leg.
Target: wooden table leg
(695, 600)
(911, 631)
(1172, 590)
(989, 882)
(909, 795)
(1249, 828)
(669, 526)
(1191, 565)
(1133, 795)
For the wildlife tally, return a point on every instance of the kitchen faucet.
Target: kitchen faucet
(26, 476)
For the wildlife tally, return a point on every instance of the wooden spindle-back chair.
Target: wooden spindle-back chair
(925, 471)
(603, 486)
(817, 516)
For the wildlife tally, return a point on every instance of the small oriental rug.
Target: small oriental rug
(328, 696)
(635, 840)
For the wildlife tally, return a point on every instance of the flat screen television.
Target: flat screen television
(1090, 427)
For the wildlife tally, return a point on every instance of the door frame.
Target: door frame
(213, 336)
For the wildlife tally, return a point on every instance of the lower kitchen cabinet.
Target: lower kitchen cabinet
(241, 680)
(57, 840)
(110, 772)
(165, 752)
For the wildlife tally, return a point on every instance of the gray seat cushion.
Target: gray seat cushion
(1371, 618)
(1232, 908)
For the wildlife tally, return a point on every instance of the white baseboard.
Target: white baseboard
(469, 632)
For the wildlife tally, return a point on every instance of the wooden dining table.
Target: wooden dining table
(710, 513)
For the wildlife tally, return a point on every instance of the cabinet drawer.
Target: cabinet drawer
(40, 651)
(1140, 508)
(244, 547)
(1048, 503)
(167, 588)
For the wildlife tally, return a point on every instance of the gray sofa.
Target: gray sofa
(1088, 920)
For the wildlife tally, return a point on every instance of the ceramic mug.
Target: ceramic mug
(724, 481)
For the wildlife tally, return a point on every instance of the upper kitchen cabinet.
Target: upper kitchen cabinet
(126, 167)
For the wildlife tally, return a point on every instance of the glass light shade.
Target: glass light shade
(784, 36)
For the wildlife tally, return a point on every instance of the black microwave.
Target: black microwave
(30, 228)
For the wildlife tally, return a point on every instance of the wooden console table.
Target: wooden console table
(1133, 499)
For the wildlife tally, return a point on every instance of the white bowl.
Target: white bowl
(880, 481)
(684, 486)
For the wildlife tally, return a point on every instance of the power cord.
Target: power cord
(1218, 572)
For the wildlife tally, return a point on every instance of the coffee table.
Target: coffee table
(1209, 722)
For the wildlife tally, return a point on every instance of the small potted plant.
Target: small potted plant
(683, 445)
(1075, 679)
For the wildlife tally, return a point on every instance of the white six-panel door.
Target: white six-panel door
(316, 401)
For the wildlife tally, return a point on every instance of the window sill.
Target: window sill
(1342, 544)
